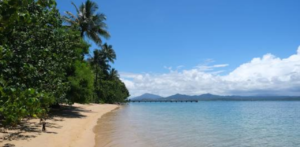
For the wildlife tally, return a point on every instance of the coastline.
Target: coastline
(114, 130)
(72, 127)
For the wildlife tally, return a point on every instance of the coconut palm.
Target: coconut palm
(90, 23)
(95, 62)
(113, 74)
(102, 58)
(107, 53)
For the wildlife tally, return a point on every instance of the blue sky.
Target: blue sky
(150, 35)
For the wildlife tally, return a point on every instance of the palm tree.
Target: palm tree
(101, 59)
(113, 74)
(96, 62)
(108, 53)
(90, 23)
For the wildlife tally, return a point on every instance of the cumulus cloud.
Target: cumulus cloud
(266, 75)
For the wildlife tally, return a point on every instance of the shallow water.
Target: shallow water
(207, 124)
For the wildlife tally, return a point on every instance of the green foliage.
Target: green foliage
(35, 50)
(81, 83)
(17, 103)
(109, 88)
(42, 62)
(112, 91)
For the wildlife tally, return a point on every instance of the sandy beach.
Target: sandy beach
(70, 126)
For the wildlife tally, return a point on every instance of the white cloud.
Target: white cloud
(210, 67)
(268, 75)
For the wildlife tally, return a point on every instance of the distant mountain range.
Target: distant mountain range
(211, 97)
(147, 96)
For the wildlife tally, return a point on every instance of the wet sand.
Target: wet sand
(112, 131)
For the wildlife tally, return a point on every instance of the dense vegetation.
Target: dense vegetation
(42, 59)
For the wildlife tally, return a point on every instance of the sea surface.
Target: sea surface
(202, 124)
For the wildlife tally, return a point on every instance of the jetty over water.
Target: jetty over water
(163, 101)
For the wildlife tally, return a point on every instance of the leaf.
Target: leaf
(12, 89)
(34, 116)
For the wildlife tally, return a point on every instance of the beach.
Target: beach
(69, 126)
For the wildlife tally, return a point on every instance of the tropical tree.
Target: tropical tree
(41, 60)
(113, 91)
(81, 83)
(90, 23)
(113, 74)
(101, 64)
(35, 53)
(101, 59)
(107, 55)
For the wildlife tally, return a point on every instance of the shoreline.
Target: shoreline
(105, 124)
(71, 127)
(114, 130)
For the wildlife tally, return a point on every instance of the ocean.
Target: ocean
(202, 124)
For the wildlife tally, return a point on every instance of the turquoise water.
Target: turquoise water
(207, 124)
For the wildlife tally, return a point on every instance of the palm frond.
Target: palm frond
(94, 36)
(77, 10)
(71, 15)
(91, 8)
(103, 33)
(69, 20)
(99, 19)
(113, 74)
(108, 52)
(92, 24)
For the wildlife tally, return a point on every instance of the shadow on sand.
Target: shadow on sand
(28, 129)
(68, 112)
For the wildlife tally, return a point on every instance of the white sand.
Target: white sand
(71, 128)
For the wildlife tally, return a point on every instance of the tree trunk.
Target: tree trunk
(81, 34)
(96, 85)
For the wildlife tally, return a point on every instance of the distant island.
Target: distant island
(212, 97)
